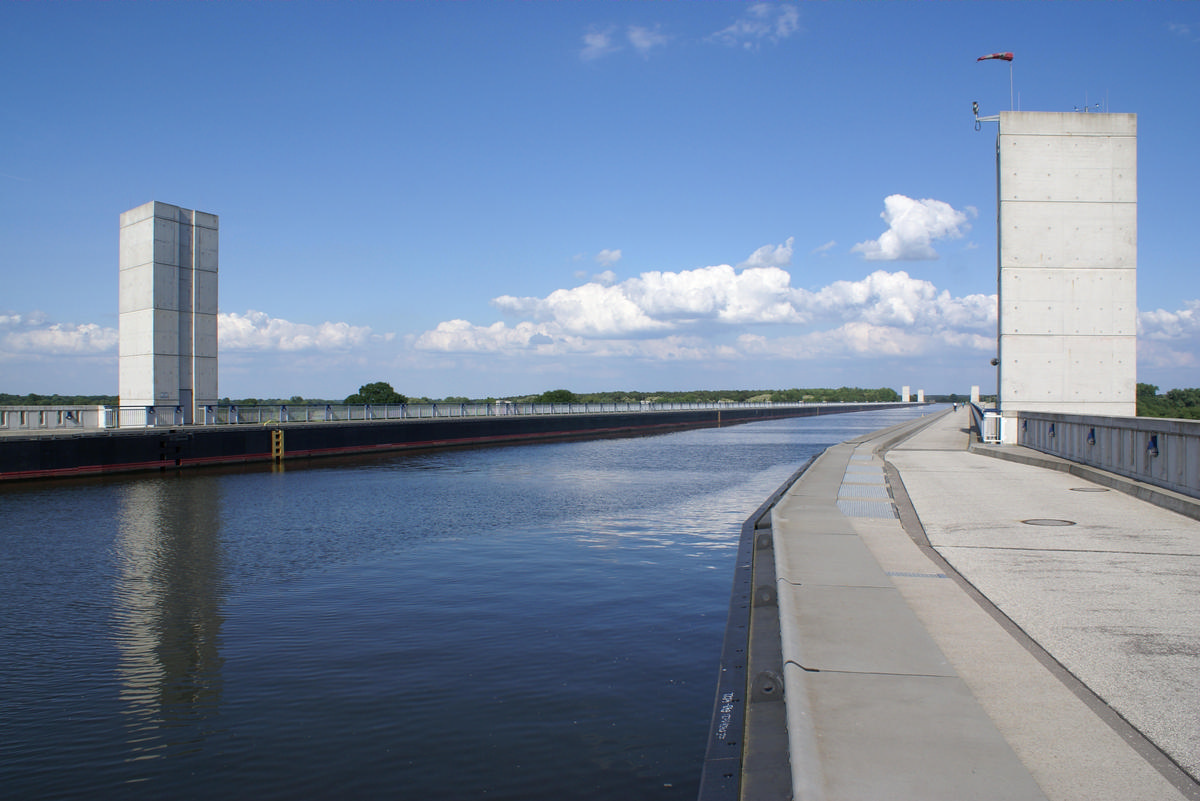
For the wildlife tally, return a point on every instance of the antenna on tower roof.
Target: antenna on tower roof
(1086, 107)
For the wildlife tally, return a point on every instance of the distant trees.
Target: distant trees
(1178, 403)
(34, 399)
(841, 394)
(557, 396)
(377, 392)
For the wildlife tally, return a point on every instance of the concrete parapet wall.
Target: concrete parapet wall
(1164, 453)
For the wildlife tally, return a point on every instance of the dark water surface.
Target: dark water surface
(534, 622)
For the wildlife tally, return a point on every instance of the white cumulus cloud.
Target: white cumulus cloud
(761, 22)
(1169, 339)
(913, 226)
(771, 255)
(723, 312)
(645, 39)
(589, 310)
(1161, 324)
(258, 331)
(608, 257)
(34, 334)
(597, 43)
(897, 299)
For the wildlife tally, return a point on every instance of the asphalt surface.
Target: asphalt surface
(957, 626)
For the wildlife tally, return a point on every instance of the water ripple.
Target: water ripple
(521, 622)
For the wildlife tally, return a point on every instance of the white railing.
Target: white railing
(289, 413)
(987, 423)
(51, 418)
(1162, 452)
(44, 418)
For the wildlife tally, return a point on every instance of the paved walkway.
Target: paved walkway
(956, 626)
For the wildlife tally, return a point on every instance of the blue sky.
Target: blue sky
(500, 198)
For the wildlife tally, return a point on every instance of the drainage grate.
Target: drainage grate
(1047, 521)
(863, 491)
(873, 509)
(1088, 489)
(873, 477)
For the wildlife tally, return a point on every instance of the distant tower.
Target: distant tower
(168, 308)
(1067, 227)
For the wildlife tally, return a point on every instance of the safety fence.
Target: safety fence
(42, 418)
(63, 418)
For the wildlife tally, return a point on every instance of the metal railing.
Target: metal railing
(987, 424)
(50, 418)
(290, 413)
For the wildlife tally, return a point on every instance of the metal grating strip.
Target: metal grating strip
(863, 478)
(863, 491)
(874, 509)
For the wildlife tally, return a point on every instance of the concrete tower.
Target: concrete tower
(1067, 229)
(168, 309)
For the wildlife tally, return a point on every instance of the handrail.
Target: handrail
(54, 418)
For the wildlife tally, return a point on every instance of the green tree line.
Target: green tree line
(381, 392)
(1177, 403)
(33, 399)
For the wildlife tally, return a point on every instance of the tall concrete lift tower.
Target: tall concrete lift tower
(168, 309)
(1067, 226)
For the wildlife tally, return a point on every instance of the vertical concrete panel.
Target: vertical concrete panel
(166, 379)
(205, 379)
(166, 242)
(137, 244)
(136, 289)
(204, 344)
(1067, 262)
(206, 292)
(207, 239)
(166, 332)
(137, 333)
(135, 372)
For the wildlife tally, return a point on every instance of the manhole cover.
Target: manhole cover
(1048, 521)
(1088, 489)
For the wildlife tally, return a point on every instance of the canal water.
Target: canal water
(532, 622)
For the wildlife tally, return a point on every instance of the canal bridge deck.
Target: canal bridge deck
(955, 626)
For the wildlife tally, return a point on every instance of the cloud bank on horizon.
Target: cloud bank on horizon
(715, 313)
(718, 312)
(712, 312)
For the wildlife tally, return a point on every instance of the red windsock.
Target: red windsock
(1001, 56)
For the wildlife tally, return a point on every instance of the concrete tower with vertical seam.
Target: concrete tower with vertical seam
(168, 308)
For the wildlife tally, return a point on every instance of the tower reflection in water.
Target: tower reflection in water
(167, 613)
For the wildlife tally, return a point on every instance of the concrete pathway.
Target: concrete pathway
(939, 642)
